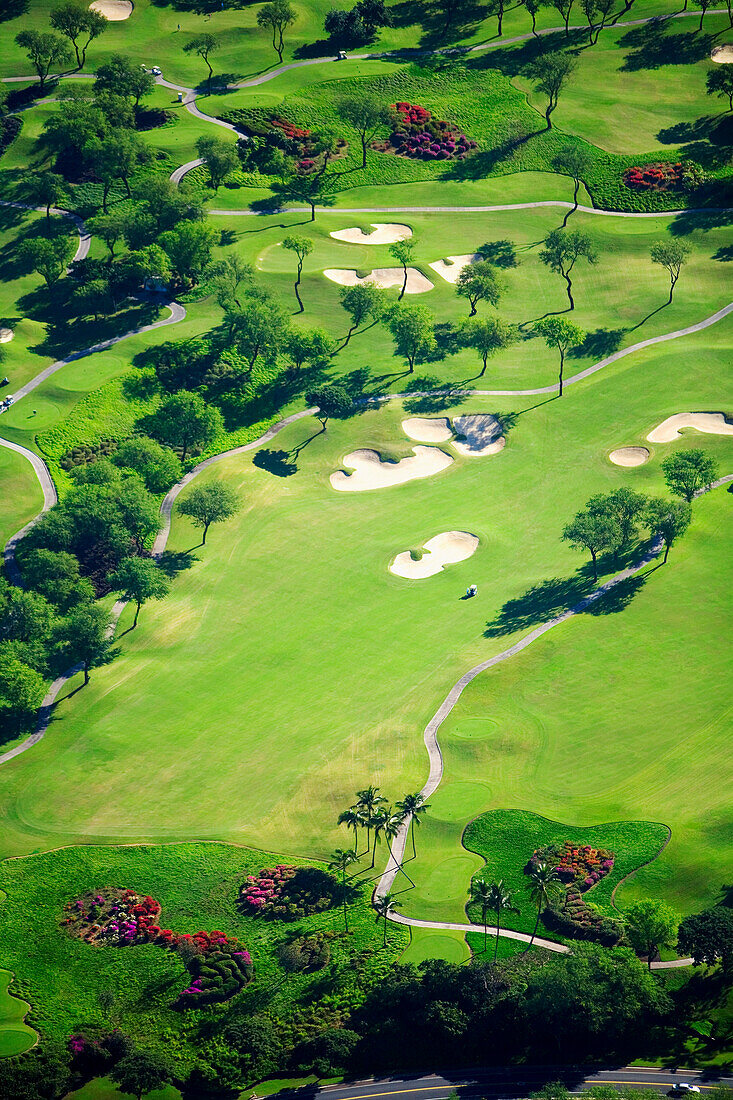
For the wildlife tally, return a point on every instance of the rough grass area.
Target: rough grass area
(197, 886)
(506, 839)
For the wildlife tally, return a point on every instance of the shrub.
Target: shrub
(289, 893)
(416, 134)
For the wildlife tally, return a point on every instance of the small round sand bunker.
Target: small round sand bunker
(442, 550)
(6, 335)
(384, 233)
(382, 277)
(428, 429)
(629, 456)
(710, 423)
(371, 472)
(481, 435)
(451, 270)
(114, 10)
(722, 55)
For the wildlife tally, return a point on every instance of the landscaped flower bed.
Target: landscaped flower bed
(418, 135)
(116, 917)
(288, 893)
(576, 918)
(579, 864)
(662, 176)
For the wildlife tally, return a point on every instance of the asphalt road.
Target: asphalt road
(511, 1082)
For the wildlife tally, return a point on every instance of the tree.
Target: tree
(84, 636)
(115, 157)
(413, 806)
(564, 8)
(687, 472)
(122, 76)
(140, 580)
(544, 887)
(412, 331)
(331, 401)
(672, 256)
(352, 818)
(309, 345)
(390, 825)
(225, 278)
(55, 575)
(563, 248)
(277, 16)
(368, 801)
(203, 45)
(562, 334)
(260, 329)
(110, 228)
(708, 937)
(550, 73)
(402, 251)
(593, 532)
(719, 81)
(573, 161)
(207, 504)
(94, 298)
(500, 902)
(44, 51)
(45, 189)
(76, 21)
(48, 257)
(219, 157)
(481, 894)
(185, 420)
(385, 906)
(591, 12)
(703, 5)
(670, 519)
(532, 6)
(139, 1073)
(488, 336)
(188, 248)
(340, 861)
(626, 507)
(22, 688)
(497, 8)
(367, 114)
(361, 302)
(302, 247)
(650, 924)
(158, 466)
(480, 282)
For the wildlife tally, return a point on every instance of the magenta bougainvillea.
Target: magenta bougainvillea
(416, 134)
(578, 864)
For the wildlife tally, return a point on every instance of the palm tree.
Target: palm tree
(412, 805)
(482, 894)
(367, 802)
(377, 822)
(385, 905)
(501, 900)
(340, 860)
(392, 823)
(352, 819)
(544, 885)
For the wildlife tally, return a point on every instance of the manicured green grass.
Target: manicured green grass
(21, 495)
(15, 1036)
(506, 840)
(103, 1088)
(198, 887)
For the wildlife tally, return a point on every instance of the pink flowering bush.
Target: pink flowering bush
(580, 865)
(416, 134)
(288, 893)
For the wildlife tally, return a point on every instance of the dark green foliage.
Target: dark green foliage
(708, 937)
(306, 953)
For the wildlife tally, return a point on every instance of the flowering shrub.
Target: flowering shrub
(579, 864)
(418, 135)
(288, 893)
(662, 176)
(121, 918)
(576, 918)
(290, 129)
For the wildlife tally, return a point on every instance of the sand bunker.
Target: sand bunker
(451, 271)
(442, 550)
(481, 434)
(370, 472)
(383, 277)
(629, 456)
(6, 335)
(669, 429)
(114, 10)
(428, 429)
(384, 233)
(722, 55)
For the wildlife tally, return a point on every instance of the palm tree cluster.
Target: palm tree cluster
(372, 813)
(544, 887)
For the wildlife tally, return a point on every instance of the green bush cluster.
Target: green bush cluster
(87, 452)
(306, 953)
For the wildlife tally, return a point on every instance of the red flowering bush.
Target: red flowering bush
(578, 864)
(662, 176)
(418, 135)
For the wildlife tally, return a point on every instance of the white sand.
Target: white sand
(428, 429)
(384, 233)
(442, 550)
(669, 429)
(370, 472)
(629, 456)
(480, 435)
(6, 335)
(383, 277)
(451, 271)
(114, 10)
(722, 55)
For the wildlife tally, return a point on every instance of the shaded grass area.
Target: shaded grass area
(197, 886)
(506, 839)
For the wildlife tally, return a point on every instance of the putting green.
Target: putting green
(15, 1035)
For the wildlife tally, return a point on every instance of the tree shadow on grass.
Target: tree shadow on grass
(598, 344)
(431, 19)
(173, 562)
(653, 45)
(431, 396)
(275, 462)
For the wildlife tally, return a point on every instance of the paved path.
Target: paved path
(460, 209)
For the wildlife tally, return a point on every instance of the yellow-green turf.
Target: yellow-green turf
(103, 1088)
